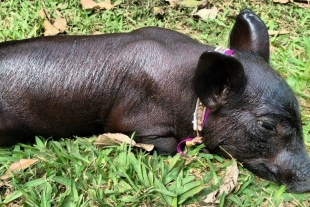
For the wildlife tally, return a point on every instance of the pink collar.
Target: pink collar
(224, 51)
(200, 116)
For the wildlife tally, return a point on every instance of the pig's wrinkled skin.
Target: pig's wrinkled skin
(147, 81)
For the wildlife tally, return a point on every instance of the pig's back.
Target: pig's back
(66, 84)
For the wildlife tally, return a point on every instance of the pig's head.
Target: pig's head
(254, 113)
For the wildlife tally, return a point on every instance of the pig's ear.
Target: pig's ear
(250, 34)
(217, 78)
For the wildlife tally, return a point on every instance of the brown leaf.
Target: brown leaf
(305, 4)
(105, 5)
(281, 1)
(146, 147)
(282, 31)
(190, 3)
(90, 4)
(300, 3)
(97, 33)
(16, 166)
(43, 13)
(158, 10)
(185, 3)
(52, 27)
(229, 183)
(60, 23)
(109, 139)
(113, 138)
(207, 13)
(50, 30)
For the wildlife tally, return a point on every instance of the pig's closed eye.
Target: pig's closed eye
(267, 126)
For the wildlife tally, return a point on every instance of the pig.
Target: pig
(148, 81)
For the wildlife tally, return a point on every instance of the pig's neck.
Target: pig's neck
(200, 116)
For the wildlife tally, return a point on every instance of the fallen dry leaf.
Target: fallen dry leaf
(50, 30)
(300, 3)
(282, 31)
(190, 3)
(60, 23)
(90, 4)
(114, 138)
(304, 4)
(185, 3)
(207, 13)
(158, 10)
(109, 139)
(97, 33)
(281, 1)
(147, 147)
(229, 183)
(16, 166)
(52, 26)
(43, 13)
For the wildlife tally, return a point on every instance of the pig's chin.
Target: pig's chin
(260, 169)
(257, 166)
(272, 173)
(298, 187)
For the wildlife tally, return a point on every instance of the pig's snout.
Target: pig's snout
(299, 186)
(293, 170)
(290, 169)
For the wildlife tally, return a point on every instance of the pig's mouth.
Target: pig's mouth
(298, 187)
(292, 173)
(259, 168)
(263, 169)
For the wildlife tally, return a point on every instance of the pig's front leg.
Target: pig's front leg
(163, 145)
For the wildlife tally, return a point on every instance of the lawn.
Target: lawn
(76, 173)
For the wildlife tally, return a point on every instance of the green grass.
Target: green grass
(75, 173)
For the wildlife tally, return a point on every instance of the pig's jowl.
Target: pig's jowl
(148, 81)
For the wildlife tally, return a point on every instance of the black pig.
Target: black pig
(148, 81)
